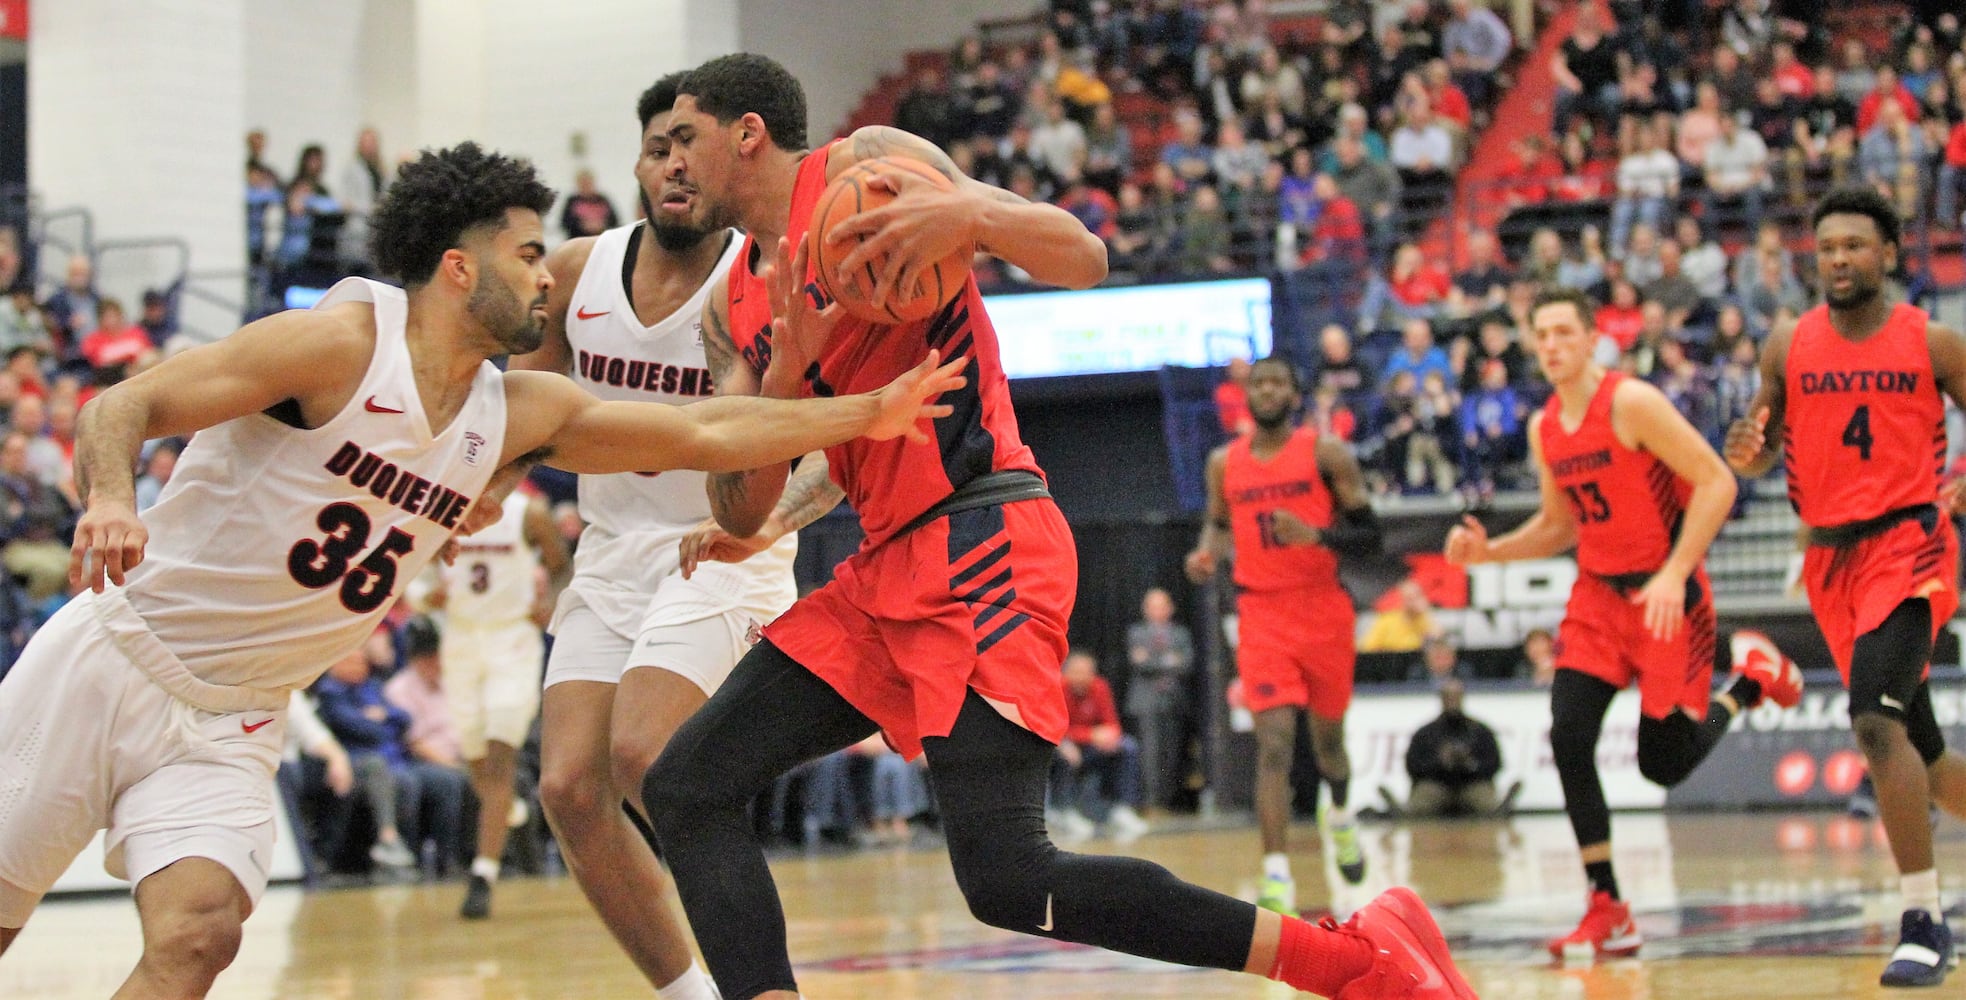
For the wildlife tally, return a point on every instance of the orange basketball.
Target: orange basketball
(849, 194)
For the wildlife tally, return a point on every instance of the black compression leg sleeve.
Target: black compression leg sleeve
(769, 717)
(1922, 726)
(1670, 748)
(989, 779)
(1887, 663)
(1578, 702)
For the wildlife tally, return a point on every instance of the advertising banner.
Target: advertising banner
(1102, 331)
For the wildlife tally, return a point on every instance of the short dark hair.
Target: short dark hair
(1556, 295)
(438, 197)
(1296, 377)
(1860, 201)
(659, 98)
(728, 87)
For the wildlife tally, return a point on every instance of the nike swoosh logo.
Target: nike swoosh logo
(1434, 980)
(1047, 913)
(582, 313)
(255, 727)
(1889, 702)
(374, 407)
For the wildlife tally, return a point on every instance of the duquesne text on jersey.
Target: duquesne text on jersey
(405, 490)
(652, 376)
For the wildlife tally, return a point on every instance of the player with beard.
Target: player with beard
(656, 584)
(1855, 393)
(1641, 495)
(945, 630)
(337, 451)
(1292, 501)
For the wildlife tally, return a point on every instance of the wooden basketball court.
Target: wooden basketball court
(1736, 906)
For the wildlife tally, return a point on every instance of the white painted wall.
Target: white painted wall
(300, 58)
(137, 111)
(839, 48)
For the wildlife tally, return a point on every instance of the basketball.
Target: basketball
(851, 193)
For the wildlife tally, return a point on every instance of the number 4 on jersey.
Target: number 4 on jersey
(1856, 433)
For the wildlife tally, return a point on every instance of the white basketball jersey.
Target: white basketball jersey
(491, 583)
(634, 519)
(275, 550)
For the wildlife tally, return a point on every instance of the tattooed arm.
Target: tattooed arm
(809, 494)
(924, 224)
(739, 501)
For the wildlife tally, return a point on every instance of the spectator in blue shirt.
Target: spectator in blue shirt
(1418, 353)
(1492, 429)
(349, 699)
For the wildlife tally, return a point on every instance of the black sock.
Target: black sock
(1746, 691)
(1602, 880)
(1341, 790)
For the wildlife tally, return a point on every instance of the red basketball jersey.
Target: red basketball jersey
(890, 482)
(1864, 431)
(1626, 502)
(1255, 489)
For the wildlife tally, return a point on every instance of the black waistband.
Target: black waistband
(1626, 584)
(1841, 535)
(987, 490)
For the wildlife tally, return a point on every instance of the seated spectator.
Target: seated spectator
(1543, 258)
(989, 104)
(71, 310)
(1854, 77)
(1585, 177)
(1057, 142)
(350, 701)
(1232, 399)
(1586, 71)
(436, 754)
(1331, 415)
(1891, 157)
(1277, 132)
(1137, 238)
(1730, 324)
(1538, 664)
(312, 759)
(1202, 243)
(1687, 386)
(1641, 257)
(1767, 241)
(1190, 157)
(1339, 235)
(1095, 209)
(1108, 149)
(1237, 164)
(1732, 77)
(1771, 291)
(1433, 444)
(1699, 124)
(1297, 201)
(117, 345)
(1413, 289)
(1440, 663)
(1736, 379)
(1701, 259)
(928, 109)
(1492, 428)
(17, 326)
(1372, 185)
(1648, 184)
(1672, 288)
(1422, 148)
(1641, 94)
(1356, 125)
(1483, 283)
(1735, 171)
(1952, 170)
(36, 522)
(1825, 136)
(1099, 763)
(1495, 341)
(1620, 319)
(158, 464)
(1527, 177)
(1339, 368)
(1475, 42)
(1794, 80)
(1452, 762)
(1886, 90)
(1449, 102)
(1417, 353)
(157, 322)
(1405, 628)
(899, 792)
(1271, 77)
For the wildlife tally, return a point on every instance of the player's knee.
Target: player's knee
(1004, 881)
(1665, 754)
(632, 755)
(574, 796)
(1879, 736)
(1275, 750)
(198, 943)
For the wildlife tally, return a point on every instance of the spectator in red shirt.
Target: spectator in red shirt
(1581, 178)
(24, 364)
(1096, 750)
(1449, 102)
(1092, 207)
(1232, 399)
(1339, 233)
(1887, 84)
(117, 345)
(1797, 83)
(1621, 318)
(1528, 177)
(1413, 289)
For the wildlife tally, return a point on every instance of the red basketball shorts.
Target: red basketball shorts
(1296, 647)
(1876, 575)
(978, 600)
(1604, 636)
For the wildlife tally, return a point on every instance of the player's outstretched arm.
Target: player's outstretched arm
(923, 224)
(570, 429)
(1552, 529)
(314, 358)
(1642, 414)
(1215, 537)
(739, 501)
(1748, 448)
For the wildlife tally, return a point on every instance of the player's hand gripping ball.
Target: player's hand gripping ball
(926, 290)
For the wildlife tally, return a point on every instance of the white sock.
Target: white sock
(1921, 891)
(1276, 865)
(485, 868)
(693, 984)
